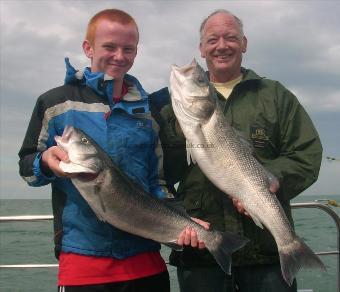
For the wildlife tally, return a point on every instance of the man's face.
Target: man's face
(114, 49)
(222, 46)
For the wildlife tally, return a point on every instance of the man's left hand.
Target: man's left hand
(189, 235)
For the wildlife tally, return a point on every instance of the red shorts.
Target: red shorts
(75, 269)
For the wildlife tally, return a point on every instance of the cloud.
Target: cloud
(296, 43)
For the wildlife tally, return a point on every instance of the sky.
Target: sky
(294, 42)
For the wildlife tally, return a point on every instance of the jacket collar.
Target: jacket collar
(102, 83)
(247, 75)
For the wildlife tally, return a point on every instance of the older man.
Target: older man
(285, 142)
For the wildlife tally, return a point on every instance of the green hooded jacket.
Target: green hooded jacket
(285, 142)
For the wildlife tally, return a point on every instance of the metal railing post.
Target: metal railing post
(336, 219)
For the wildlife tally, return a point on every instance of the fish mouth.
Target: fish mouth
(60, 142)
(177, 74)
(88, 170)
(185, 69)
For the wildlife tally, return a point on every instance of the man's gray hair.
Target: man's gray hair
(239, 21)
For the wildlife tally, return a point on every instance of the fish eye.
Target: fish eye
(201, 80)
(84, 140)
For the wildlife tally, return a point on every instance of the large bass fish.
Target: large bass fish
(117, 200)
(228, 163)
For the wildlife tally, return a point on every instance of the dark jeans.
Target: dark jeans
(157, 283)
(261, 278)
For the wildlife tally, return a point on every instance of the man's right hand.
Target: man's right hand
(273, 188)
(51, 158)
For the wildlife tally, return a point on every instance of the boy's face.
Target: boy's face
(114, 49)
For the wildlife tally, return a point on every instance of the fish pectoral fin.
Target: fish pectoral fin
(99, 209)
(256, 220)
(190, 156)
(99, 193)
(173, 245)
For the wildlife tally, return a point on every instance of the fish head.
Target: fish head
(82, 152)
(191, 93)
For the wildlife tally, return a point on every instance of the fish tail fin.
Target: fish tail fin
(221, 245)
(295, 256)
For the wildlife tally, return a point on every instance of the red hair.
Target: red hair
(113, 15)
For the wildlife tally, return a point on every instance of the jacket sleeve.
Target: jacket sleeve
(300, 151)
(35, 142)
(157, 183)
(172, 140)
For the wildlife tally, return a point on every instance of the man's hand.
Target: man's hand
(239, 206)
(273, 188)
(51, 158)
(189, 235)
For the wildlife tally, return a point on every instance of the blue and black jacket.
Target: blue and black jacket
(126, 130)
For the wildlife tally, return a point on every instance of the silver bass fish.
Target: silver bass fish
(230, 165)
(116, 199)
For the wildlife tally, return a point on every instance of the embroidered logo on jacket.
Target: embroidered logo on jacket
(259, 136)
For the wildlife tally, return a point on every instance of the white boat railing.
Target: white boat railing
(26, 218)
(316, 204)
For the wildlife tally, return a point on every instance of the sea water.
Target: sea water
(32, 243)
